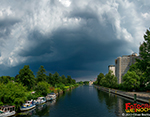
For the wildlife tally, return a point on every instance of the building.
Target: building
(112, 68)
(91, 82)
(122, 65)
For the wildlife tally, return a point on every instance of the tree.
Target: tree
(16, 78)
(64, 79)
(95, 83)
(26, 77)
(42, 88)
(144, 63)
(99, 77)
(131, 80)
(80, 82)
(13, 93)
(56, 78)
(41, 76)
(110, 79)
(69, 80)
(86, 82)
(73, 81)
(5, 79)
(104, 82)
(134, 67)
(50, 79)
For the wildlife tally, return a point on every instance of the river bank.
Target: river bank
(140, 96)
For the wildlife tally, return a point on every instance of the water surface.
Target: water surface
(83, 101)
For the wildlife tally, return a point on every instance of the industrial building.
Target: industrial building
(122, 65)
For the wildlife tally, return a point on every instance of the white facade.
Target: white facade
(112, 68)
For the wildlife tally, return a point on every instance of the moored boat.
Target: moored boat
(50, 96)
(28, 112)
(40, 100)
(28, 105)
(6, 111)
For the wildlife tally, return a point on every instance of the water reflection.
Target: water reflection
(44, 109)
(29, 113)
(50, 103)
(109, 99)
(113, 102)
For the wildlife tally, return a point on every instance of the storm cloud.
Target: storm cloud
(77, 38)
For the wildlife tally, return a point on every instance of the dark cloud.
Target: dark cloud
(77, 38)
(41, 45)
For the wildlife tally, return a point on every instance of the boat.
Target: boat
(40, 100)
(50, 96)
(6, 111)
(28, 112)
(28, 105)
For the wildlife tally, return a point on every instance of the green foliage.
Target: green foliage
(42, 88)
(64, 79)
(76, 84)
(50, 79)
(65, 88)
(104, 82)
(99, 77)
(110, 80)
(61, 85)
(69, 80)
(41, 76)
(56, 78)
(73, 81)
(26, 77)
(80, 82)
(13, 94)
(6, 79)
(121, 87)
(1, 103)
(131, 80)
(141, 75)
(86, 82)
(32, 96)
(95, 83)
(144, 63)
(15, 91)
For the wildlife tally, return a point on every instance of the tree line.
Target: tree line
(108, 80)
(15, 90)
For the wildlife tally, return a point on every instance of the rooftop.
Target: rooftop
(111, 66)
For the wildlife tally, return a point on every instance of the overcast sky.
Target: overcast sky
(73, 37)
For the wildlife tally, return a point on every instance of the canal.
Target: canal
(83, 101)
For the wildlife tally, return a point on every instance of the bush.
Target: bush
(13, 94)
(42, 88)
(32, 96)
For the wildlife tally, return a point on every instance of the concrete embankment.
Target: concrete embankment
(140, 96)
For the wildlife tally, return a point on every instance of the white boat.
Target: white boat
(28, 112)
(28, 105)
(50, 96)
(40, 100)
(6, 111)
